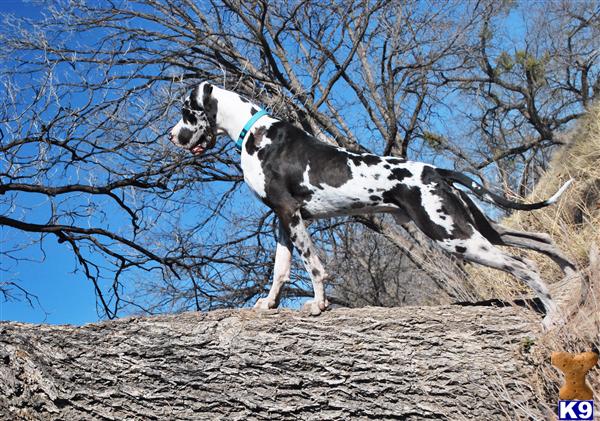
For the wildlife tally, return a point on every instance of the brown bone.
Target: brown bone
(575, 368)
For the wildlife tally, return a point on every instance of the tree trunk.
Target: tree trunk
(447, 362)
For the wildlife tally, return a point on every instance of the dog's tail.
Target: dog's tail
(485, 194)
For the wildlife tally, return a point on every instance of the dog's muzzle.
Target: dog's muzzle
(205, 143)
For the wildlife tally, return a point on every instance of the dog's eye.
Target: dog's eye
(188, 115)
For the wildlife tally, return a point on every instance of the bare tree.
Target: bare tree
(523, 92)
(90, 91)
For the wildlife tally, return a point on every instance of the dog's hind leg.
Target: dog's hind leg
(451, 221)
(478, 249)
(281, 270)
(539, 242)
(538, 236)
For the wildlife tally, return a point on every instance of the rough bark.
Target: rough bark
(446, 362)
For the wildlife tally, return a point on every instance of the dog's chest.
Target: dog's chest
(253, 173)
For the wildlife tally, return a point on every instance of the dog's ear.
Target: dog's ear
(196, 98)
(209, 103)
(200, 96)
(206, 94)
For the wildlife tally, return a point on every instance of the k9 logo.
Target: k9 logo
(576, 410)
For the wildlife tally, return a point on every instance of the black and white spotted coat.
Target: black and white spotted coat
(302, 178)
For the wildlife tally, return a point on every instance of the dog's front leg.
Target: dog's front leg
(308, 252)
(281, 271)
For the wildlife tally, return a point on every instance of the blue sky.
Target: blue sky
(64, 297)
(20, 8)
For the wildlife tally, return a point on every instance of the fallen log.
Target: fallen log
(447, 362)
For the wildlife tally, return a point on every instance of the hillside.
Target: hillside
(574, 224)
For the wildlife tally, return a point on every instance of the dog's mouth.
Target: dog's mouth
(204, 144)
(198, 149)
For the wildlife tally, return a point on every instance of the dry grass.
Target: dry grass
(574, 224)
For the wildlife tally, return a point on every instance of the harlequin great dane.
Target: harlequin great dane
(302, 178)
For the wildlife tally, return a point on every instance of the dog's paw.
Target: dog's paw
(263, 304)
(314, 308)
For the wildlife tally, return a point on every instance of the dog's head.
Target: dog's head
(196, 129)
